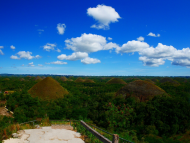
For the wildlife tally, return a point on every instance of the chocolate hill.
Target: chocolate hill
(141, 90)
(170, 81)
(63, 78)
(38, 78)
(48, 89)
(150, 81)
(79, 79)
(116, 81)
(22, 79)
(89, 81)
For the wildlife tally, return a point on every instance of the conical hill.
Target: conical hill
(116, 81)
(89, 81)
(22, 79)
(79, 79)
(168, 80)
(63, 78)
(150, 81)
(38, 78)
(141, 90)
(48, 88)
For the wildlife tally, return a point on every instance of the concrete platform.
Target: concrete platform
(46, 135)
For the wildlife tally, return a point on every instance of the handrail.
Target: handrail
(95, 133)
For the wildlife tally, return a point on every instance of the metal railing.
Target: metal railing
(95, 133)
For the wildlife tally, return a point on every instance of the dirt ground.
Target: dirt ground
(3, 111)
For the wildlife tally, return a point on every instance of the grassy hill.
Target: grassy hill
(116, 81)
(89, 81)
(79, 79)
(48, 88)
(63, 78)
(141, 90)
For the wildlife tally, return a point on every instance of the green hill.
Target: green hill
(141, 90)
(116, 81)
(48, 88)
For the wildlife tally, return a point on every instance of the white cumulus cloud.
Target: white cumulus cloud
(75, 56)
(49, 47)
(61, 28)
(89, 60)
(12, 47)
(104, 15)
(58, 50)
(132, 46)
(140, 38)
(58, 63)
(25, 55)
(22, 65)
(86, 43)
(1, 52)
(153, 35)
(155, 56)
(109, 38)
(40, 65)
(31, 64)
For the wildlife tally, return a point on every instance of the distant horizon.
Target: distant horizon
(107, 37)
(93, 75)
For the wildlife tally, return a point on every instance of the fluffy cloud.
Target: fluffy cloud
(22, 65)
(132, 46)
(49, 47)
(156, 56)
(25, 55)
(73, 57)
(40, 65)
(89, 60)
(104, 15)
(61, 28)
(14, 57)
(152, 62)
(89, 43)
(58, 63)
(109, 38)
(58, 50)
(12, 47)
(1, 52)
(153, 35)
(110, 45)
(31, 64)
(140, 38)
(181, 62)
(86, 43)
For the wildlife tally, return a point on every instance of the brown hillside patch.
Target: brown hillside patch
(89, 81)
(63, 78)
(69, 80)
(48, 88)
(6, 79)
(116, 81)
(38, 79)
(169, 81)
(43, 77)
(154, 80)
(79, 79)
(150, 81)
(141, 90)
(22, 79)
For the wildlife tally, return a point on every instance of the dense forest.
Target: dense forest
(160, 119)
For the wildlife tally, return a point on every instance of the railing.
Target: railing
(95, 133)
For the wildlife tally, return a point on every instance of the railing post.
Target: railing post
(115, 138)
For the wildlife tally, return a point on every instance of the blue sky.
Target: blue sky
(85, 37)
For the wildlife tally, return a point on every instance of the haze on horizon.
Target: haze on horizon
(99, 38)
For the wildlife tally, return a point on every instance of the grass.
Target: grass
(48, 88)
